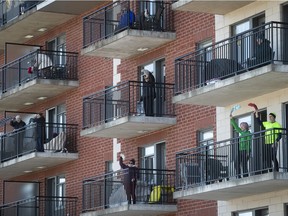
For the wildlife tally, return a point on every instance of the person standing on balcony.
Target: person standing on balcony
(148, 93)
(244, 147)
(127, 19)
(130, 178)
(39, 119)
(272, 137)
(19, 131)
(263, 51)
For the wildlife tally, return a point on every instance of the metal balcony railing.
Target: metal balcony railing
(53, 136)
(127, 99)
(41, 206)
(43, 64)
(108, 191)
(121, 15)
(232, 56)
(10, 10)
(232, 158)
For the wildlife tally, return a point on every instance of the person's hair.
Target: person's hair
(245, 124)
(132, 161)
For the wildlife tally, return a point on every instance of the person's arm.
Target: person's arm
(235, 126)
(122, 165)
(260, 122)
(12, 123)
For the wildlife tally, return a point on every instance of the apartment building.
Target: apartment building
(235, 78)
(80, 64)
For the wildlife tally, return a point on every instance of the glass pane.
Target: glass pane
(245, 214)
(149, 150)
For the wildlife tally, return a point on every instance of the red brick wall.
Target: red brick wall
(96, 73)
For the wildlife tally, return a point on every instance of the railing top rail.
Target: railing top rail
(186, 151)
(182, 58)
(121, 85)
(34, 53)
(34, 198)
(100, 9)
(102, 176)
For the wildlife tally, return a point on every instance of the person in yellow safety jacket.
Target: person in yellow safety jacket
(272, 137)
(243, 150)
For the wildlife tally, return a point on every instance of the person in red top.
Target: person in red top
(130, 179)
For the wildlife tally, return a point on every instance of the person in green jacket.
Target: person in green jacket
(244, 147)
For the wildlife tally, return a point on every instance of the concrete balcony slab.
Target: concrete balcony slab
(236, 188)
(129, 126)
(136, 209)
(32, 90)
(214, 7)
(128, 43)
(34, 161)
(250, 84)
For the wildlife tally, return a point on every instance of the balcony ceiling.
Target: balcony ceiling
(30, 92)
(32, 162)
(236, 188)
(128, 127)
(48, 14)
(126, 43)
(239, 88)
(132, 210)
(214, 7)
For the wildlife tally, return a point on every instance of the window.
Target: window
(58, 44)
(56, 187)
(205, 138)
(56, 115)
(242, 50)
(153, 157)
(258, 212)
(204, 55)
(157, 68)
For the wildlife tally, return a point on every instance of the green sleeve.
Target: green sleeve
(235, 126)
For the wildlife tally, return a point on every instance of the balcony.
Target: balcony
(228, 170)
(40, 206)
(105, 194)
(122, 31)
(39, 74)
(19, 154)
(234, 69)
(213, 7)
(28, 17)
(119, 112)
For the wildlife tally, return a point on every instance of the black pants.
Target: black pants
(269, 155)
(241, 161)
(130, 187)
(148, 106)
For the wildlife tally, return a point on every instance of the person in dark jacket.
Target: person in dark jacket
(130, 179)
(19, 131)
(149, 93)
(263, 51)
(39, 119)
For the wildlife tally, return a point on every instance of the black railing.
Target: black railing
(121, 15)
(125, 99)
(42, 64)
(41, 206)
(232, 56)
(10, 10)
(106, 191)
(233, 158)
(54, 138)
